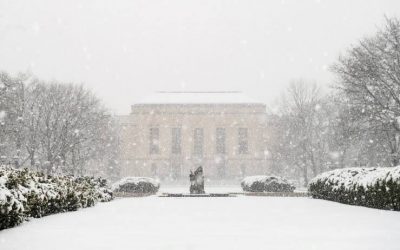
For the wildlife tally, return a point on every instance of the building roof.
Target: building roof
(202, 97)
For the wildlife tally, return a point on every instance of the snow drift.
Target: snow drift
(25, 193)
(263, 183)
(370, 187)
(137, 185)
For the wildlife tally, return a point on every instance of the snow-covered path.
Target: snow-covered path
(210, 223)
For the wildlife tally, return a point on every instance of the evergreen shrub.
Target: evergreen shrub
(264, 183)
(25, 193)
(136, 185)
(369, 187)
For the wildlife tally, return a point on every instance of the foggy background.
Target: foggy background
(124, 50)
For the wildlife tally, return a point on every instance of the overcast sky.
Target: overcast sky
(124, 50)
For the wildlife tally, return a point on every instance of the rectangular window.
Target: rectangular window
(154, 169)
(243, 141)
(176, 140)
(154, 138)
(220, 140)
(198, 140)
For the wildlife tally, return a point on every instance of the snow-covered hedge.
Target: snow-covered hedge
(370, 187)
(25, 193)
(263, 183)
(137, 185)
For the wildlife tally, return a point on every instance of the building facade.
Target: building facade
(171, 133)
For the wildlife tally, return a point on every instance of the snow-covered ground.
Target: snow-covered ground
(209, 188)
(210, 223)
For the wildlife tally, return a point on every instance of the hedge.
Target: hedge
(264, 183)
(25, 193)
(369, 187)
(137, 185)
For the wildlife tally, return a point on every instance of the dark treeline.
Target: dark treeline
(356, 123)
(55, 128)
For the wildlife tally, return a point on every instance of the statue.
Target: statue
(197, 181)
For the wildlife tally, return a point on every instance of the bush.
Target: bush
(137, 185)
(25, 193)
(369, 187)
(263, 183)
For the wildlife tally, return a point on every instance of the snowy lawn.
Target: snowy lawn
(184, 188)
(210, 223)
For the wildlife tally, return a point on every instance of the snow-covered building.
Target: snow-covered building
(170, 133)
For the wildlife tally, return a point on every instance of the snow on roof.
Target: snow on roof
(196, 97)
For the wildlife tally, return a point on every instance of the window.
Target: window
(154, 169)
(154, 141)
(220, 164)
(198, 139)
(243, 170)
(176, 140)
(220, 140)
(243, 141)
(176, 171)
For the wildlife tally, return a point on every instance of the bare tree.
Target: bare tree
(33, 116)
(369, 78)
(300, 129)
(303, 102)
(12, 106)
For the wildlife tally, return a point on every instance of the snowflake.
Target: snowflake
(2, 115)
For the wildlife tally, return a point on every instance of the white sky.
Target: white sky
(127, 49)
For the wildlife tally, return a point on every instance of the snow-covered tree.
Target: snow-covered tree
(369, 79)
(56, 127)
